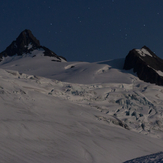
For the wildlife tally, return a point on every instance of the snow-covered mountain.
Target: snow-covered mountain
(147, 65)
(26, 45)
(77, 112)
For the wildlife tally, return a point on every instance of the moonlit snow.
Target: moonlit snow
(143, 52)
(77, 112)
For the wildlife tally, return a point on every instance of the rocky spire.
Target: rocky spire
(25, 38)
(26, 43)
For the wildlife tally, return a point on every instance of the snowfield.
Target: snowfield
(77, 112)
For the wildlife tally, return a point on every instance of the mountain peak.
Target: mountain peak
(26, 37)
(26, 43)
(144, 52)
(147, 65)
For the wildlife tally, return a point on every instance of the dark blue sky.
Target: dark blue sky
(85, 30)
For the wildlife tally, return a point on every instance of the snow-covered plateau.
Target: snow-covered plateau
(77, 112)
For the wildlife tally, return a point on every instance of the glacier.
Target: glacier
(76, 112)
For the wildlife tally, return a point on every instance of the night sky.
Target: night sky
(85, 30)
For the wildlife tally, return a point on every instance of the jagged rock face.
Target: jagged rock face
(147, 65)
(26, 43)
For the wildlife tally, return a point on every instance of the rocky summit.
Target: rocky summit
(27, 43)
(147, 65)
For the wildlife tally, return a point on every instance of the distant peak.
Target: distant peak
(26, 43)
(144, 51)
(145, 47)
(147, 65)
(26, 31)
(26, 37)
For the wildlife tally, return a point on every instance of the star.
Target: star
(126, 36)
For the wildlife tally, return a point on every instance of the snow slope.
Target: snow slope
(76, 112)
(74, 72)
(38, 126)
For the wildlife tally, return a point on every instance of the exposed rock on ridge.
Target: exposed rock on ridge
(147, 65)
(26, 43)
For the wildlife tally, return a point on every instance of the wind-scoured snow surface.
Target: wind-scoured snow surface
(76, 112)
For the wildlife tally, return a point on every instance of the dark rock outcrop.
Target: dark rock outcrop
(147, 65)
(26, 43)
